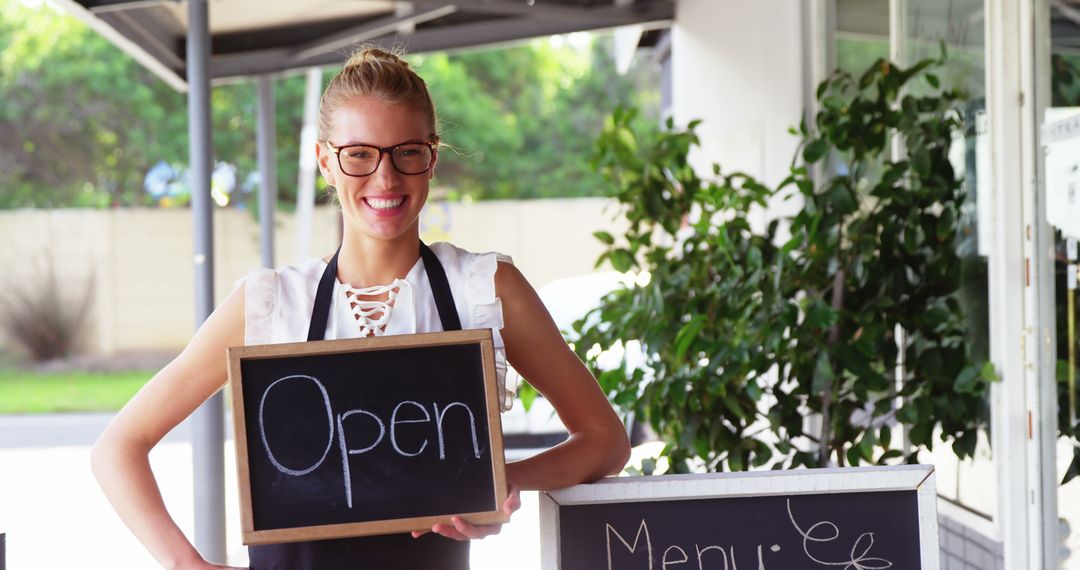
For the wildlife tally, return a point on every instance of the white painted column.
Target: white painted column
(1024, 402)
(738, 66)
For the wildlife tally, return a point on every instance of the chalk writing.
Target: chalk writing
(859, 550)
(336, 424)
(262, 429)
(641, 549)
(674, 554)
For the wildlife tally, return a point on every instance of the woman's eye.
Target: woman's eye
(360, 153)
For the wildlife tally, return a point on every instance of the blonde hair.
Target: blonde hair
(372, 72)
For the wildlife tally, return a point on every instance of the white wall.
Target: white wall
(737, 65)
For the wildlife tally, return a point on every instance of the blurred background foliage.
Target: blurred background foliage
(82, 123)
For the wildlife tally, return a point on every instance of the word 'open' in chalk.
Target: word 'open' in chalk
(336, 424)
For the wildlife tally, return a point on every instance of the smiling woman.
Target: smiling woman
(378, 150)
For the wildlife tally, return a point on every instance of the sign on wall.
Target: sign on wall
(1061, 140)
(853, 519)
(366, 436)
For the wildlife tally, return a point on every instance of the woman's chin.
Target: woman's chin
(381, 228)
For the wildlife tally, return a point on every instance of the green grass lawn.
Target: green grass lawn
(27, 392)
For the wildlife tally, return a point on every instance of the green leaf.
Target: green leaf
(833, 103)
(858, 364)
(753, 390)
(816, 149)
(735, 460)
(609, 379)
(885, 436)
(866, 445)
(604, 237)
(732, 404)
(920, 434)
(890, 454)
(621, 260)
(908, 414)
(933, 80)
(820, 316)
(853, 456)
(686, 336)
(1074, 467)
(626, 138)
(965, 381)
(527, 394)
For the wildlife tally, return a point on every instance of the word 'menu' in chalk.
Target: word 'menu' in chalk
(404, 413)
(868, 518)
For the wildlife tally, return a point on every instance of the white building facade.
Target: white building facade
(748, 70)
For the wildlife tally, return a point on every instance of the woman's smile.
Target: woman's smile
(385, 204)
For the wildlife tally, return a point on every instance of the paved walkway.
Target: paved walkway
(56, 517)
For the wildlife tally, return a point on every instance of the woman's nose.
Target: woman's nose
(385, 172)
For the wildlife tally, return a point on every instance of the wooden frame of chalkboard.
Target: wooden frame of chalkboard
(581, 525)
(435, 351)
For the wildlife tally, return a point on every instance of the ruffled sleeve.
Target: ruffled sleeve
(485, 311)
(260, 303)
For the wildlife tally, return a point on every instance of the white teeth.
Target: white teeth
(383, 204)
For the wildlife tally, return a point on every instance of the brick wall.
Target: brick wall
(964, 548)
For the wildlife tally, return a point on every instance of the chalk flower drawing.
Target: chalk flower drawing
(859, 551)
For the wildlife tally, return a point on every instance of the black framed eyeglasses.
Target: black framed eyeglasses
(363, 160)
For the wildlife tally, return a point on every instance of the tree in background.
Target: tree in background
(82, 123)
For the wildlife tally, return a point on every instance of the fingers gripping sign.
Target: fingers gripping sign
(460, 529)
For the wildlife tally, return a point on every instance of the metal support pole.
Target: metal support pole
(208, 441)
(305, 184)
(267, 157)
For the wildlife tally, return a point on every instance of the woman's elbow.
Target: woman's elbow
(107, 453)
(619, 452)
(101, 456)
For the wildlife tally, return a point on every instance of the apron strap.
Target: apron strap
(440, 289)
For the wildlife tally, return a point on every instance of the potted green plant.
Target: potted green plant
(748, 331)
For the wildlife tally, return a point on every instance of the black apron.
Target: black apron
(386, 552)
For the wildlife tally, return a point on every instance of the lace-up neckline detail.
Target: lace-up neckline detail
(372, 316)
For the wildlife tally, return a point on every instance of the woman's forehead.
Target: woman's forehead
(373, 121)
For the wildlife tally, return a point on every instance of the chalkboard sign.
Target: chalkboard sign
(366, 436)
(857, 518)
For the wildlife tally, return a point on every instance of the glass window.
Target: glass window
(1063, 212)
(959, 26)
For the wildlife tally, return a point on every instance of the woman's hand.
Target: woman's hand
(197, 562)
(461, 530)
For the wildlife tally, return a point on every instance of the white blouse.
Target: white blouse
(279, 303)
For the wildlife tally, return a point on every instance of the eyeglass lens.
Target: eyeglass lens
(363, 160)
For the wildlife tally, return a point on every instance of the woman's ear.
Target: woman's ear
(324, 157)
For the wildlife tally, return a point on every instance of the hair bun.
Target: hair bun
(375, 72)
(369, 54)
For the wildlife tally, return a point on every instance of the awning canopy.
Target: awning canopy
(254, 37)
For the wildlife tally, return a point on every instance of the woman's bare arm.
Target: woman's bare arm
(598, 444)
(120, 457)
